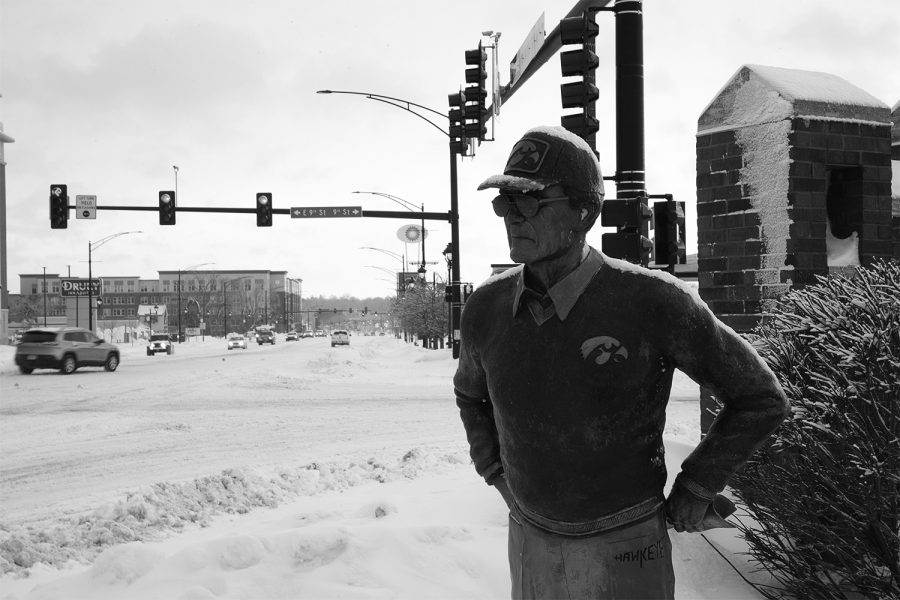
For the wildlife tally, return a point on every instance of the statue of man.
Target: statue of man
(564, 374)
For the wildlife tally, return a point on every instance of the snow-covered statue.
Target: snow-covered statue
(564, 375)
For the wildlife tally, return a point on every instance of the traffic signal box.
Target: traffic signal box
(458, 143)
(59, 206)
(474, 108)
(669, 240)
(167, 208)
(582, 63)
(263, 209)
(627, 216)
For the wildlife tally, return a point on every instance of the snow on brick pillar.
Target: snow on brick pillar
(793, 180)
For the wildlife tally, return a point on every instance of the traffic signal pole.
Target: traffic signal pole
(455, 278)
(630, 174)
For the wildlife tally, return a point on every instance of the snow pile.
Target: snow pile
(152, 512)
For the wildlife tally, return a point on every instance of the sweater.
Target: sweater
(570, 404)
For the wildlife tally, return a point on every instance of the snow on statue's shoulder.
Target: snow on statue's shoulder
(510, 272)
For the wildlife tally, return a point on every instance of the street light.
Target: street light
(153, 317)
(400, 257)
(91, 247)
(448, 256)
(454, 195)
(179, 285)
(225, 297)
(408, 206)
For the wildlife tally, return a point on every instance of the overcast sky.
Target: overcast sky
(106, 96)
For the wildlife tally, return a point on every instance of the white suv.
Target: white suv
(340, 337)
(159, 342)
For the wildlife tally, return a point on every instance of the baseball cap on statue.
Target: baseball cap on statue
(546, 156)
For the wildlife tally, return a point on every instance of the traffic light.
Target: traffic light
(475, 107)
(627, 216)
(167, 208)
(264, 209)
(457, 132)
(581, 62)
(668, 243)
(628, 213)
(627, 245)
(59, 206)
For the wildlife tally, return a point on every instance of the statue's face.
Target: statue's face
(545, 235)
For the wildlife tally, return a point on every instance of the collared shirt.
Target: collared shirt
(572, 410)
(560, 298)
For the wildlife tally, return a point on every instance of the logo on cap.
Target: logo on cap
(527, 156)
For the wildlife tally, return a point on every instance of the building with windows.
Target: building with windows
(196, 302)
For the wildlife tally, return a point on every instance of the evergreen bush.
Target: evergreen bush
(823, 497)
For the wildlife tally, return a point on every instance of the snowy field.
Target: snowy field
(289, 471)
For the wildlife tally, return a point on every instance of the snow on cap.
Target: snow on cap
(546, 156)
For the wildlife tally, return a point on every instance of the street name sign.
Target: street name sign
(526, 53)
(85, 207)
(314, 212)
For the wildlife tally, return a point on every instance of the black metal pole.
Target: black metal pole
(630, 175)
(179, 306)
(90, 292)
(456, 309)
(45, 296)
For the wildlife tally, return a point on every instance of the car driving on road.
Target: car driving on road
(340, 337)
(160, 342)
(265, 336)
(64, 348)
(237, 341)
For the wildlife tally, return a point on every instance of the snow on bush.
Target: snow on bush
(155, 511)
(825, 494)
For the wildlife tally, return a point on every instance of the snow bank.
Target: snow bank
(155, 511)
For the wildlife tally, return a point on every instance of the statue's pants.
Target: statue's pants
(630, 562)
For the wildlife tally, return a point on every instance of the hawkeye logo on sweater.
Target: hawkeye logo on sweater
(604, 349)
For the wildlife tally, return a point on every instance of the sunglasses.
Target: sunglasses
(527, 205)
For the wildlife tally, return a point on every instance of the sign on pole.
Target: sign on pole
(314, 212)
(79, 287)
(529, 49)
(85, 207)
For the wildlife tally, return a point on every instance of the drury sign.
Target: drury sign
(79, 287)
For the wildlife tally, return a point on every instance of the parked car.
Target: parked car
(340, 337)
(64, 348)
(237, 341)
(160, 342)
(291, 336)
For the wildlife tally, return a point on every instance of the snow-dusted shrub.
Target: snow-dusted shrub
(824, 496)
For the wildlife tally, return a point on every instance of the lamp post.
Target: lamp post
(153, 317)
(408, 206)
(179, 279)
(91, 247)
(45, 295)
(199, 310)
(225, 297)
(454, 196)
(448, 256)
(400, 257)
